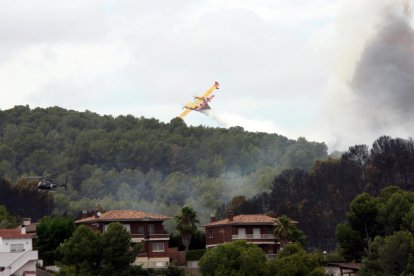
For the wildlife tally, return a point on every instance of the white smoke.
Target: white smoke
(231, 120)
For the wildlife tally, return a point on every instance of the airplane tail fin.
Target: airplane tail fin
(210, 98)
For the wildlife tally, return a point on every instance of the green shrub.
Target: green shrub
(195, 255)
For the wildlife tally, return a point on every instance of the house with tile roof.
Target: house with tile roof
(17, 256)
(256, 229)
(143, 227)
(341, 269)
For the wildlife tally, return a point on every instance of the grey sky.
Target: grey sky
(275, 59)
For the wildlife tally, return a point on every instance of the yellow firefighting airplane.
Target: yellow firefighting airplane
(200, 102)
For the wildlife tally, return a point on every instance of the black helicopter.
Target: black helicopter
(48, 183)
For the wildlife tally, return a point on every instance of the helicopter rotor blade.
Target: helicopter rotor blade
(53, 175)
(32, 177)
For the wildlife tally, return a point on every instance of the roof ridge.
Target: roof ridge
(245, 219)
(113, 215)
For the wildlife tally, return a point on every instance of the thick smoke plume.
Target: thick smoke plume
(377, 96)
(383, 79)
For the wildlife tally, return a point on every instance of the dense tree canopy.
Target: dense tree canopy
(137, 163)
(319, 198)
(241, 258)
(126, 162)
(370, 219)
(51, 232)
(294, 260)
(88, 252)
(390, 255)
(35, 138)
(234, 258)
(117, 254)
(82, 251)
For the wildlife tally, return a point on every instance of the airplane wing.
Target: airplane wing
(189, 107)
(193, 105)
(210, 90)
(185, 112)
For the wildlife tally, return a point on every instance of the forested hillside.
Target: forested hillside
(138, 163)
(319, 198)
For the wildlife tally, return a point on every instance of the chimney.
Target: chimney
(84, 213)
(212, 219)
(23, 229)
(26, 221)
(230, 215)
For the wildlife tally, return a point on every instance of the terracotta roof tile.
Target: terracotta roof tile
(246, 219)
(124, 215)
(13, 234)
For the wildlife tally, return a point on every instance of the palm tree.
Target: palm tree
(186, 225)
(284, 230)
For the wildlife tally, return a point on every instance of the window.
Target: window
(141, 230)
(241, 232)
(158, 247)
(16, 248)
(210, 233)
(256, 233)
(127, 227)
(151, 229)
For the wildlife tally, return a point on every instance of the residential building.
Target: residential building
(256, 229)
(343, 269)
(143, 227)
(17, 256)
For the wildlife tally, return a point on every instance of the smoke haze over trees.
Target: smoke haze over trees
(137, 163)
(319, 199)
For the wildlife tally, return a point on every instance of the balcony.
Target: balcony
(137, 237)
(254, 237)
(149, 236)
(154, 236)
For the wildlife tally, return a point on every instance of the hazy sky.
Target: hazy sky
(280, 63)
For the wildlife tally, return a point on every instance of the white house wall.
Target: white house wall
(5, 244)
(29, 266)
